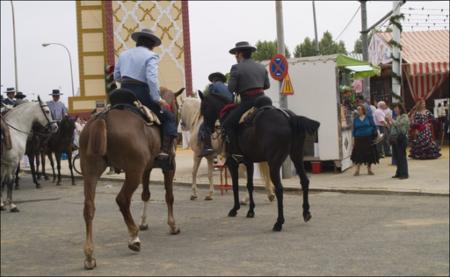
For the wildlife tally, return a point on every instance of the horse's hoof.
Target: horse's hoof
(143, 227)
(277, 227)
(38, 186)
(307, 216)
(208, 198)
(90, 264)
(250, 214)
(2, 208)
(135, 246)
(232, 213)
(271, 197)
(193, 197)
(175, 231)
(14, 210)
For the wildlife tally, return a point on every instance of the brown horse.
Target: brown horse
(122, 139)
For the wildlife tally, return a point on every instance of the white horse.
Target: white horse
(191, 120)
(19, 120)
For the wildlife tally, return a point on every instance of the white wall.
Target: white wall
(314, 83)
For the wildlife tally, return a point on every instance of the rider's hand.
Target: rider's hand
(164, 104)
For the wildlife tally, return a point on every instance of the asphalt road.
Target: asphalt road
(349, 234)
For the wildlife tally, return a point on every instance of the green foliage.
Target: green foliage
(305, 49)
(358, 48)
(265, 50)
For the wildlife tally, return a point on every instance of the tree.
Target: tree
(328, 46)
(265, 50)
(358, 48)
(305, 49)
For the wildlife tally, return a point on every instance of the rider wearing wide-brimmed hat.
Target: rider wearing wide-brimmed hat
(248, 79)
(137, 70)
(10, 100)
(218, 87)
(20, 98)
(57, 108)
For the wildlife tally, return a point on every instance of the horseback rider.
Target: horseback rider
(248, 79)
(57, 108)
(10, 100)
(20, 96)
(218, 87)
(137, 70)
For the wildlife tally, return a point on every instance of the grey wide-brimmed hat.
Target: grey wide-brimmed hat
(217, 75)
(55, 92)
(242, 45)
(8, 90)
(20, 95)
(146, 33)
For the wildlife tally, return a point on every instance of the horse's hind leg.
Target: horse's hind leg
(12, 207)
(90, 179)
(197, 161)
(264, 170)
(58, 167)
(43, 166)
(33, 171)
(276, 179)
(145, 198)
(304, 181)
(210, 178)
(251, 209)
(168, 184)
(16, 180)
(50, 157)
(233, 167)
(123, 199)
(69, 159)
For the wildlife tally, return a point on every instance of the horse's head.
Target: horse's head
(44, 116)
(212, 104)
(67, 125)
(171, 98)
(189, 112)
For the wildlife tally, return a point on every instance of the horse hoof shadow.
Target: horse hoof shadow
(89, 265)
(143, 227)
(135, 246)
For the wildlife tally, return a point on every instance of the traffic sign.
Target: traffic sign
(278, 67)
(286, 87)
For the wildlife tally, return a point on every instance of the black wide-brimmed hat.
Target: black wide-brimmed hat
(8, 90)
(55, 92)
(242, 45)
(146, 33)
(217, 76)
(20, 95)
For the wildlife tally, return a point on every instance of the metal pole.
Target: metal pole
(70, 62)
(286, 169)
(365, 46)
(396, 53)
(315, 28)
(14, 40)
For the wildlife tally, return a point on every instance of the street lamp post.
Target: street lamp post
(14, 40)
(70, 60)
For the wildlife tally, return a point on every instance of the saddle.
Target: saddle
(126, 100)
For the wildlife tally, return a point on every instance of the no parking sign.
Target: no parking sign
(278, 67)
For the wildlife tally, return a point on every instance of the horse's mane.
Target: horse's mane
(192, 109)
(20, 108)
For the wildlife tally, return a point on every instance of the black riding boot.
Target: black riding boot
(207, 147)
(233, 150)
(166, 148)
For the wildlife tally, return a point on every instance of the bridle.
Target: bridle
(49, 122)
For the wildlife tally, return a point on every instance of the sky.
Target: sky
(215, 27)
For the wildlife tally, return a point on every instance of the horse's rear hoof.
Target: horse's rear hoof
(143, 227)
(90, 264)
(250, 214)
(175, 231)
(307, 217)
(135, 246)
(271, 197)
(38, 186)
(232, 213)
(208, 198)
(14, 210)
(277, 227)
(193, 197)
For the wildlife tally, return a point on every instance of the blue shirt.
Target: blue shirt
(363, 128)
(9, 101)
(57, 109)
(141, 64)
(220, 89)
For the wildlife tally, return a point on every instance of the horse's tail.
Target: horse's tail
(97, 138)
(302, 125)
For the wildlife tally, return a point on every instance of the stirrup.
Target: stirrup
(206, 152)
(237, 157)
(162, 156)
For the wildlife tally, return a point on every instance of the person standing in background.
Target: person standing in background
(399, 139)
(57, 108)
(380, 121)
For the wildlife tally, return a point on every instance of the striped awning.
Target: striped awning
(425, 59)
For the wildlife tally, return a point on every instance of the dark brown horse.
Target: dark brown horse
(59, 143)
(122, 139)
(272, 135)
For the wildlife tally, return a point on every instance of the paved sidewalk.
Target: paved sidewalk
(426, 177)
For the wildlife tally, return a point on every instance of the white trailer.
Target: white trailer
(316, 82)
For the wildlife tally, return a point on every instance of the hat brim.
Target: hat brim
(217, 75)
(235, 49)
(136, 35)
(56, 94)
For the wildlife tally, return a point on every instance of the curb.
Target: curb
(286, 189)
